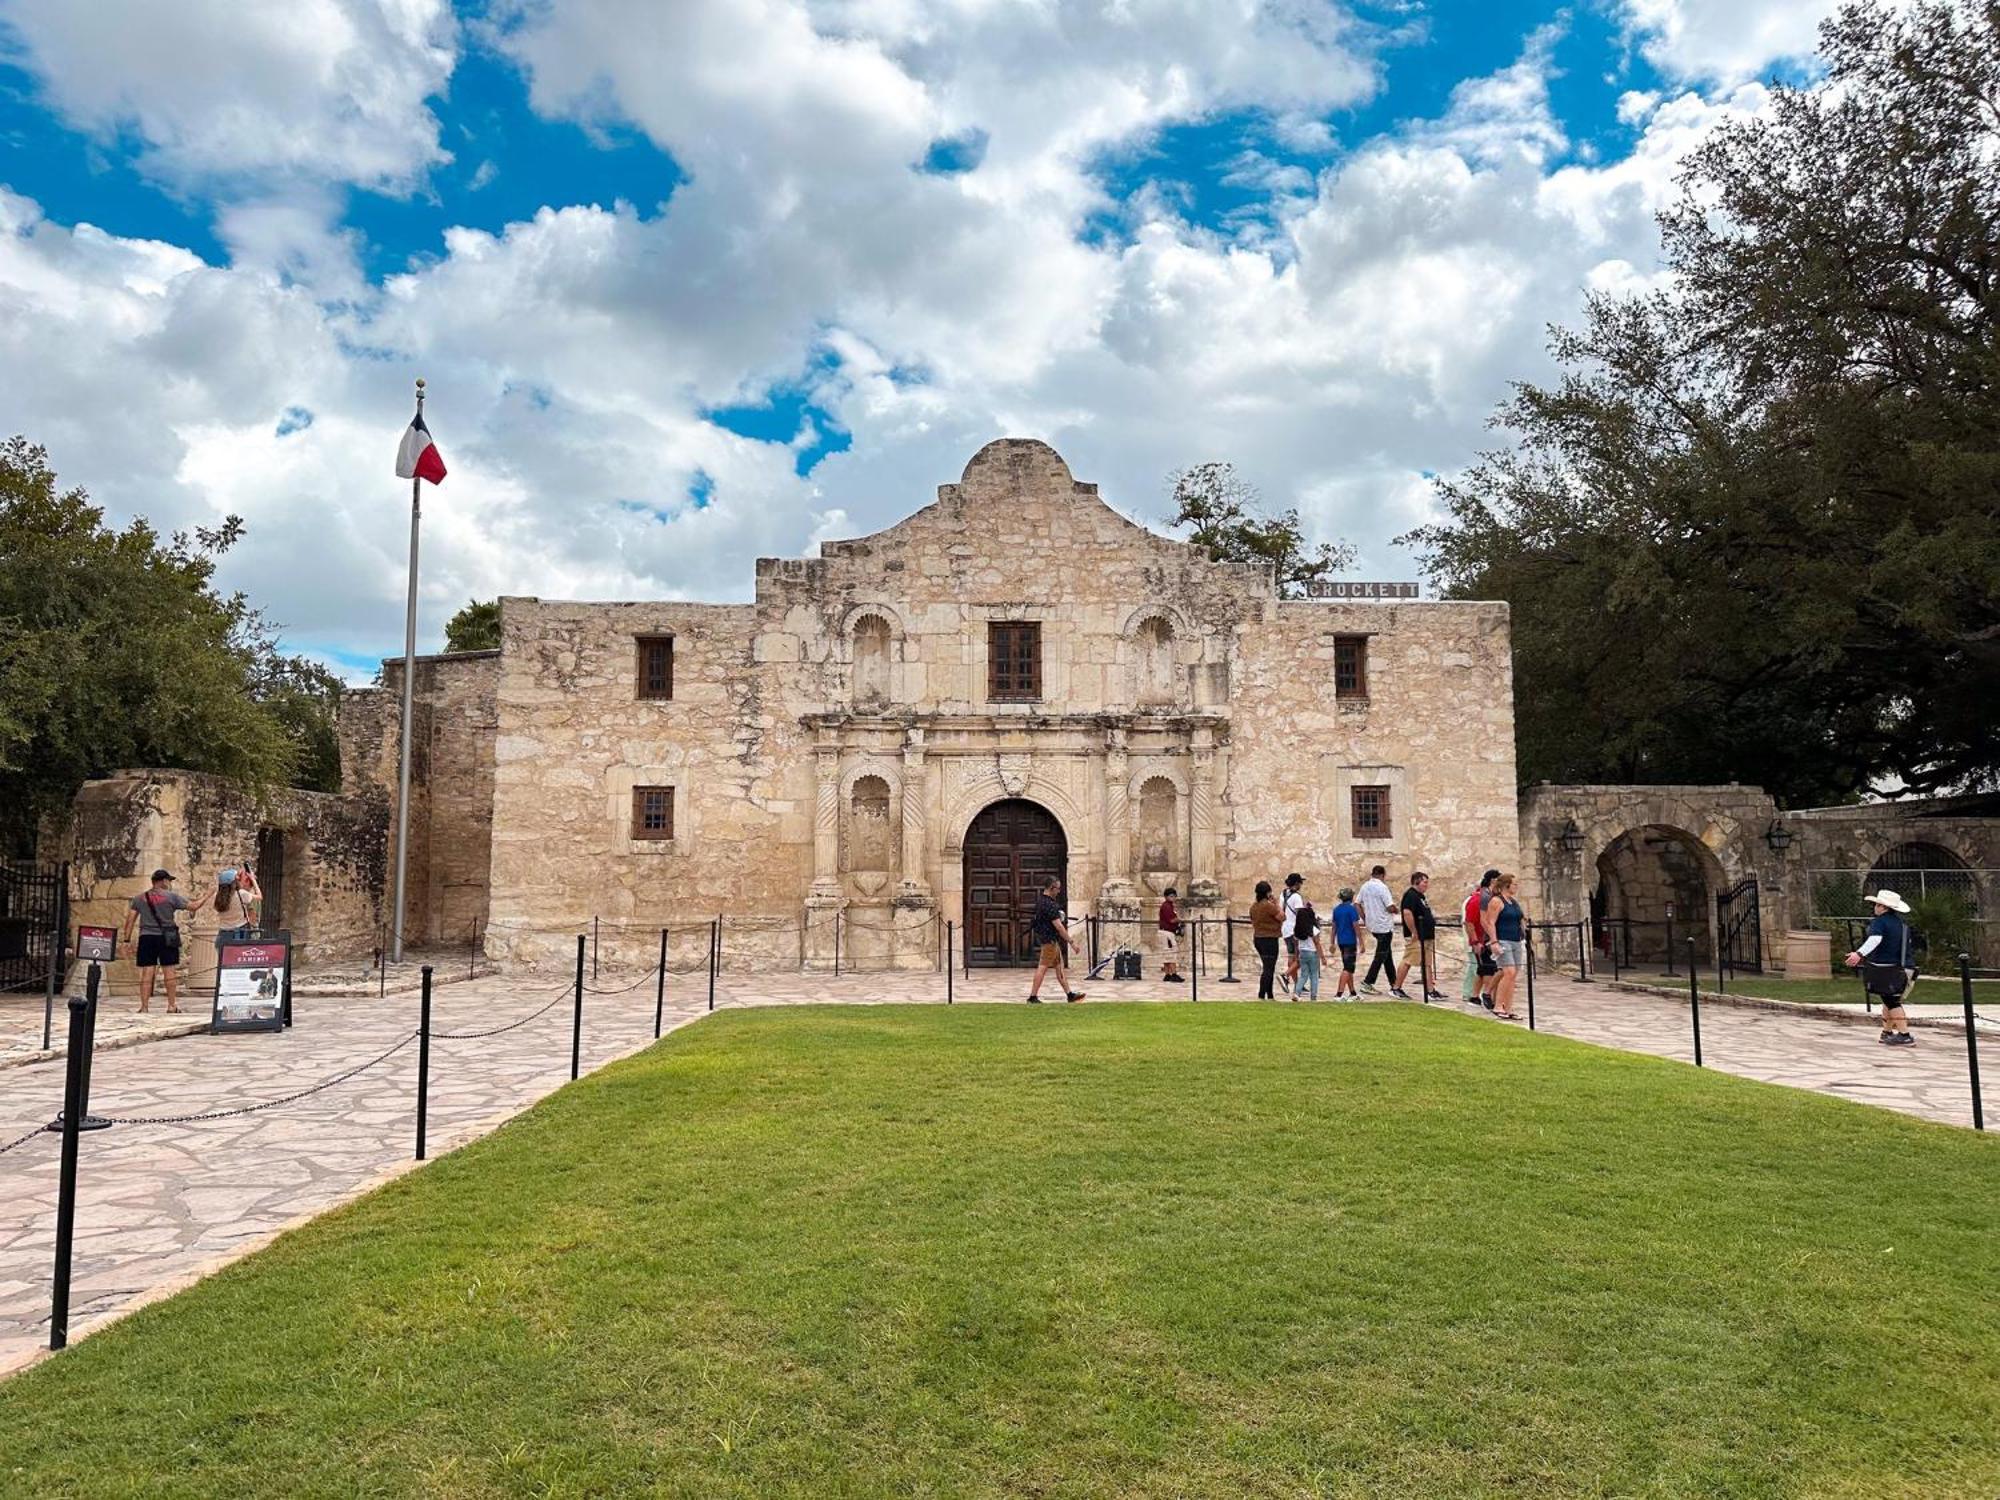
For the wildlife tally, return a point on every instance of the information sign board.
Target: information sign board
(250, 983)
(97, 945)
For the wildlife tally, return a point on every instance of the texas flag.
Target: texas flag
(418, 457)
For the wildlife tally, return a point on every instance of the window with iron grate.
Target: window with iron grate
(1371, 812)
(656, 667)
(1014, 661)
(1350, 666)
(652, 812)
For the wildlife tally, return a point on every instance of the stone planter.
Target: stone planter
(1808, 955)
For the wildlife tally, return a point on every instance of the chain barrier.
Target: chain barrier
(251, 1109)
(645, 978)
(24, 1139)
(472, 1036)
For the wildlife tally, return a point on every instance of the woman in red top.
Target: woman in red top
(1170, 938)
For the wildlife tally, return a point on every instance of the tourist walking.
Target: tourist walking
(152, 913)
(1378, 913)
(1503, 918)
(1170, 938)
(1050, 930)
(1266, 923)
(1294, 898)
(1305, 933)
(1346, 938)
(1884, 961)
(1476, 984)
(1420, 930)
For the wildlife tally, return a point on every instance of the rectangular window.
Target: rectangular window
(656, 667)
(1014, 661)
(1350, 666)
(1371, 812)
(652, 812)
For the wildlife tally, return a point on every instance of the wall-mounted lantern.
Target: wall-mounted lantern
(1571, 838)
(1778, 836)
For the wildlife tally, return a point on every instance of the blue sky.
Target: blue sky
(700, 282)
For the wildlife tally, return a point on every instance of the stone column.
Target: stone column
(823, 901)
(915, 796)
(1118, 898)
(1203, 882)
(826, 822)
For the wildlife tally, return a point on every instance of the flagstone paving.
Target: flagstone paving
(159, 1204)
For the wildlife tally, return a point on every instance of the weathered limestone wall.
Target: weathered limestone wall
(123, 827)
(454, 721)
(1437, 729)
(829, 744)
(1857, 839)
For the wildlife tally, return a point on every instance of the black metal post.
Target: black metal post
(1229, 952)
(1583, 952)
(1424, 963)
(381, 969)
(1861, 973)
(1694, 1000)
(576, 1026)
(715, 955)
(660, 988)
(76, 1102)
(423, 1062)
(950, 939)
(1194, 965)
(1613, 933)
(593, 950)
(1721, 974)
(49, 995)
(1531, 976)
(472, 952)
(836, 944)
(1090, 923)
(1670, 942)
(288, 983)
(1971, 1040)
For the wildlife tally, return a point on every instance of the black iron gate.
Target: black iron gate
(1739, 929)
(34, 923)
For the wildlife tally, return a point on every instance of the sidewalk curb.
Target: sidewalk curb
(1785, 1007)
(129, 1039)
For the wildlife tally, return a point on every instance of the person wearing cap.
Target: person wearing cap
(152, 912)
(1476, 985)
(239, 901)
(1884, 961)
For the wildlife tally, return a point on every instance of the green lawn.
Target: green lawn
(1089, 1251)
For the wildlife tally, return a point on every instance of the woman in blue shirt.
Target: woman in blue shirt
(1347, 938)
(1502, 916)
(1884, 959)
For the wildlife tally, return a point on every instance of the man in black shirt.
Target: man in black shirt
(1049, 930)
(1420, 928)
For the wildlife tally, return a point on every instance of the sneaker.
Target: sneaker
(1369, 989)
(1400, 994)
(1074, 996)
(1174, 979)
(1487, 1001)
(1435, 995)
(1902, 1039)
(1034, 999)
(1284, 984)
(1887, 1039)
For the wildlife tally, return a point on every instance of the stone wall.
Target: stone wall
(1964, 830)
(829, 744)
(120, 829)
(454, 720)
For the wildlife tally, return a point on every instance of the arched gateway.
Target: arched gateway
(1011, 848)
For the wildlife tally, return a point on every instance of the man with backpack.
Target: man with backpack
(1884, 961)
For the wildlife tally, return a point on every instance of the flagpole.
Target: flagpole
(409, 683)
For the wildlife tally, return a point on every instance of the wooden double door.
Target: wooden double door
(1011, 850)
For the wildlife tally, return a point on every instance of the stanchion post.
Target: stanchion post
(593, 950)
(1694, 1000)
(715, 955)
(1194, 966)
(1582, 952)
(76, 1101)
(1861, 973)
(1971, 1040)
(1424, 964)
(1229, 952)
(1670, 941)
(1721, 975)
(836, 945)
(1614, 952)
(660, 988)
(49, 995)
(1531, 975)
(950, 937)
(423, 1062)
(576, 1025)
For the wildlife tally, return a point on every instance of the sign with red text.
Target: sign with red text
(250, 983)
(97, 945)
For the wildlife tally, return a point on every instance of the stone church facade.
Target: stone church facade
(918, 726)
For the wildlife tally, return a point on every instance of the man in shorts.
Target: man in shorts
(1170, 938)
(1052, 933)
(1476, 986)
(152, 912)
(1420, 928)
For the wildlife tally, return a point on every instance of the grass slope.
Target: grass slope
(1102, 1250)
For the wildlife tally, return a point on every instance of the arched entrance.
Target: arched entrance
(1655, 885)
(1011, 848)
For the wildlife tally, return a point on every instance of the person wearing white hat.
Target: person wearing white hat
(1884, 958)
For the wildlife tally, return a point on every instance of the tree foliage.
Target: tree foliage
(475, 627)
(1226, 519)
(116, 651)
(1753, 532)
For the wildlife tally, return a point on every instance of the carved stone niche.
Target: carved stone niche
(872, 841)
